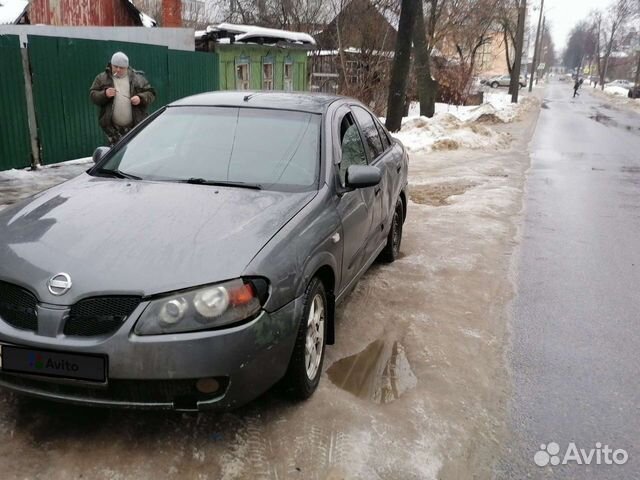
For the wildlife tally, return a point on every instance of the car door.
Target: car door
(356, 207)
(381, 157)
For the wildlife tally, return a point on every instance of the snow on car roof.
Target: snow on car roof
(12, 10)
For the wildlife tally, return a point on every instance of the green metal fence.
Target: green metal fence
(64, 68)
(15, 150)
(191, 73)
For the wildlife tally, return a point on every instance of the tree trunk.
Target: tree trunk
(536, 51)
(427, 86)
(401, 64)
(514, 86)
(506, 51)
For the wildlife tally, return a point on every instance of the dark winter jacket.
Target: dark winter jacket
(139, 86)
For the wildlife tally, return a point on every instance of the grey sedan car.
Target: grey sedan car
(201, 259)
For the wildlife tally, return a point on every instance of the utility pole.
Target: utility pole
(541, 52)
(514, 87)
(535, 51)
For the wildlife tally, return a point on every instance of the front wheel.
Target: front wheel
(305, 366)
(495, 84)
(391, 250)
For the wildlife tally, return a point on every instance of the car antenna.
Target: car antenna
(250, 96)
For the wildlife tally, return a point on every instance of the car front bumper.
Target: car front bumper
(161, 371)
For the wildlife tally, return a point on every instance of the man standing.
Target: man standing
(123, 95)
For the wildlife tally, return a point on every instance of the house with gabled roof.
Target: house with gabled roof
(257, 58)
(354, 57)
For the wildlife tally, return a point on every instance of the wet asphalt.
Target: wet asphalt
(575, 339)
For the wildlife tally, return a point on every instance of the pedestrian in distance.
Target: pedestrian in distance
(576, 86)
(123, 95)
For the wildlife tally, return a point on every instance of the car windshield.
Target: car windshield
(257, 148)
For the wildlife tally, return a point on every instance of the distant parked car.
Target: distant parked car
(619, 83)
(504, 81)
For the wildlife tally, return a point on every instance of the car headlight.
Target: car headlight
(204, 308)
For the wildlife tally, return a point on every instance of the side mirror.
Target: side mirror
(362, 176)
(100, 153)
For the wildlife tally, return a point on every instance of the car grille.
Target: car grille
(125, 391)
(99, 315)
(18, 307)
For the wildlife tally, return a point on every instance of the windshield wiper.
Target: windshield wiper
(118, 174)
(222, 183)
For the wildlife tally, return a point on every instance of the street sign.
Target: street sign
(541, 66)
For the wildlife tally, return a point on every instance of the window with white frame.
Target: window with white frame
(243, 74)
(288, 76)
(267, 74)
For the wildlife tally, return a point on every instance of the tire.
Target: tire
(391, 250)
(305, 365)
(495, 84)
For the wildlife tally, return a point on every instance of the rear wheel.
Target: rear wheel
(495, 84)
(392, 248)
(305, 366)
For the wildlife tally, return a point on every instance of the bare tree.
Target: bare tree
(470, 34)
(514, 85)
(507, 18)
(434, 23)
(608, 27)
(582, 44)
(401, 65)
(297, 15)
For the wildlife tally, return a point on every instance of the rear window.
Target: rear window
(275, 149)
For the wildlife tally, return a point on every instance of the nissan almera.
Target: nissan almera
(201, 259)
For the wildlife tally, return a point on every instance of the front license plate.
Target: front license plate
(53, 364)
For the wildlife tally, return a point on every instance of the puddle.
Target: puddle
(380, 373)
(437, 195)
(604, 119)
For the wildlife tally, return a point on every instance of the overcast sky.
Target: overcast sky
(564, 14)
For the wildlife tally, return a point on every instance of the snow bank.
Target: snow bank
(454, 127)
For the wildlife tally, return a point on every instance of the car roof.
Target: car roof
(298, 101)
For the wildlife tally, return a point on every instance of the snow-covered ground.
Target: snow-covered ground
(454, 127)
(615, 96)
(19, 183)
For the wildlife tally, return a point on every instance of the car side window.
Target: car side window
(386, 143)
(352, 147)
(369, 130)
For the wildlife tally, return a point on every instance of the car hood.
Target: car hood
(116, 236)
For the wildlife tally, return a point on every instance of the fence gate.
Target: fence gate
(63, 70)
(15, 147)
